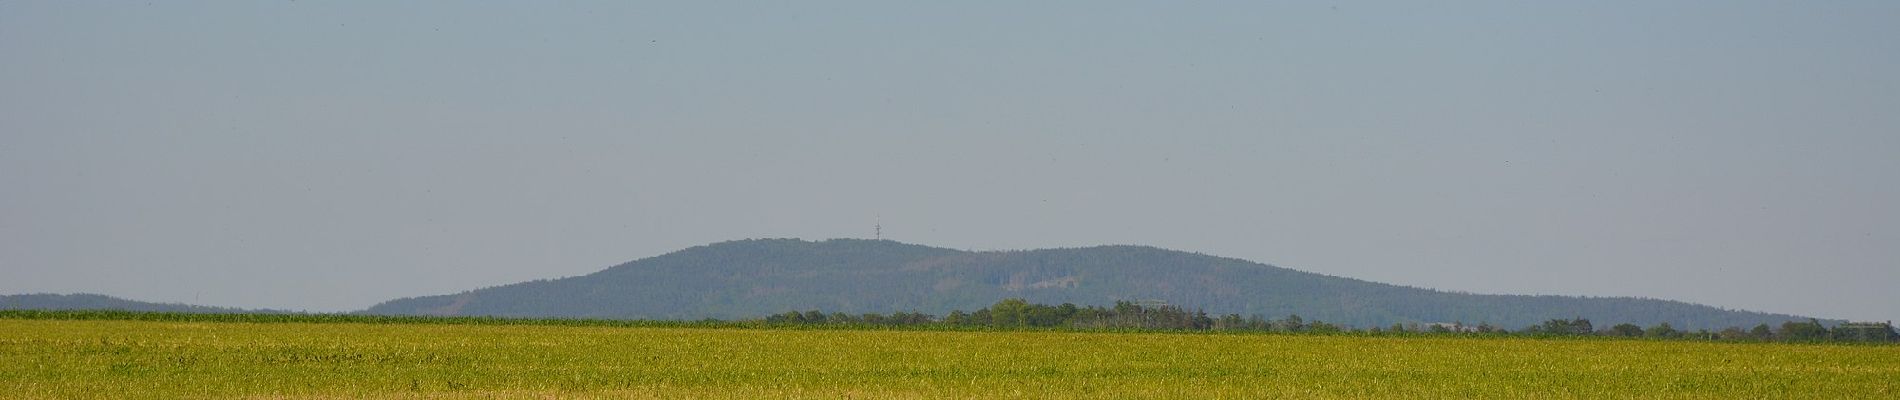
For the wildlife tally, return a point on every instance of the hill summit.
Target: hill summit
(754, 278)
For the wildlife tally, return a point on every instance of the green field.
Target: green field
(160, 359)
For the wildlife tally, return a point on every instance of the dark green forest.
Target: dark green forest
(1017, 314)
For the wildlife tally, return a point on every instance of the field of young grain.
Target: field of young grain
(154, 359)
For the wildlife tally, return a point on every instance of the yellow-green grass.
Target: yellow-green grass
(152, 359)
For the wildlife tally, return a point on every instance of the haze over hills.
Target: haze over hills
(86, 301)
(753, 278)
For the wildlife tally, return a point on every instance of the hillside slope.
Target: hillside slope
(753, 278)
(84, 301)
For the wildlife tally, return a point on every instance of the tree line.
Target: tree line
(1018, 313)
(1791, 331)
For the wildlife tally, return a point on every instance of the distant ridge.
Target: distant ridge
(86, 301)
(753, 278)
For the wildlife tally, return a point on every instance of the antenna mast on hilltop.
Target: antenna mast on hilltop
(877, 229)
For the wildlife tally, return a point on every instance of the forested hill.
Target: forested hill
(103, 302)
(754, 278)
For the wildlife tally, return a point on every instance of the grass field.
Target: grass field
(159, 359)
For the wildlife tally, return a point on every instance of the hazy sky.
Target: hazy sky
(328, 156)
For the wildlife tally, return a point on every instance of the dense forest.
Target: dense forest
(1017, 313)
(749, 278)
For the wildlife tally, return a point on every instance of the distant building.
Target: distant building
(1451, 326)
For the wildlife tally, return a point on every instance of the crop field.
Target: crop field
(172, 359)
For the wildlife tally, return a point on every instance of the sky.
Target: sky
(327, 156)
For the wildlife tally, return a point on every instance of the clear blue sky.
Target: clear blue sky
(330, 155)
